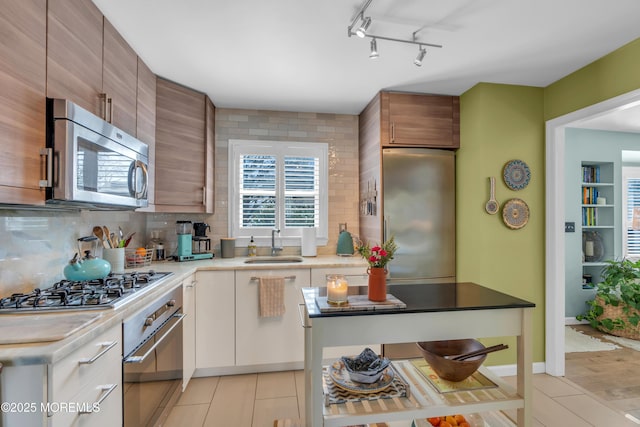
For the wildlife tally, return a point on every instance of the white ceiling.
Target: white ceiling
(295, 55)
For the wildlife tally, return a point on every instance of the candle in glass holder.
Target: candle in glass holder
(337, 289)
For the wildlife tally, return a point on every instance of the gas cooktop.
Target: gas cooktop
(81, 295)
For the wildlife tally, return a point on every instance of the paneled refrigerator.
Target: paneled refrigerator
(418, 209)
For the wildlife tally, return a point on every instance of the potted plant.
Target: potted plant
(378, 257)
(616, 306)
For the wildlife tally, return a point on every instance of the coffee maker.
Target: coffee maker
(185, 243)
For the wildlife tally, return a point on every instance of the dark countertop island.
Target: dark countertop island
(420, 298)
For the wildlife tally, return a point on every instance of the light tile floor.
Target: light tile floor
(256, 400)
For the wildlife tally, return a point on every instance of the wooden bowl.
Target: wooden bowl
(447, 369)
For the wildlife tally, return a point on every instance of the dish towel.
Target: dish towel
(271, 291)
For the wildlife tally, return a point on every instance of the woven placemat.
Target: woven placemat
(335, 395)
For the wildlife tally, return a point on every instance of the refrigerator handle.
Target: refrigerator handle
(385, 228)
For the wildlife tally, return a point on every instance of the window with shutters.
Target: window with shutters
(631, 203)
(274, 184)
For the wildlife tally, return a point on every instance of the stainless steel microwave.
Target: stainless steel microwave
(91, 163)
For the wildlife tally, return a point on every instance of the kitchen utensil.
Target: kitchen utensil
(492, 206)
(87, 267)
(486, 350)
(515, 214)
(345, 242)
(107, 236)
(97, 231)
(127, 239)
(435, 352)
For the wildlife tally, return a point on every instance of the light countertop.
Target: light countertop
(71, 330)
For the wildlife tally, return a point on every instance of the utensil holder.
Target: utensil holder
(115, 256)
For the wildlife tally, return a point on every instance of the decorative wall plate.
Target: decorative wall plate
(516, 174)
(515, 213)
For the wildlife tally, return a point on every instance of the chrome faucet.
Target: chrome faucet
(274, 250)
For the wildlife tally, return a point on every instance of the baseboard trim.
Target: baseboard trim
(510, 370)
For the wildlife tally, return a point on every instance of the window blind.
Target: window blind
(633, 201)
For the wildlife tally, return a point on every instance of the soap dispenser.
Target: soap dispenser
(345, 242)
(251, 247)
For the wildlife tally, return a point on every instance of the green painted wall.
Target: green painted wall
(500, 123)
(503, 122)
(612, 75)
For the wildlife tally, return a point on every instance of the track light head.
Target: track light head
(362, 30)
(420, 57)
(374, 50)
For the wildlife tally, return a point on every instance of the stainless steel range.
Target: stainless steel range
(82, 295)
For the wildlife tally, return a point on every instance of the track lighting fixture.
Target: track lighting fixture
(374, 49)
(420, 57)
(362, 31)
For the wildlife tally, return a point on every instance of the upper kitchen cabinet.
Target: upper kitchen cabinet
(184, 149)
(415, 120)
(74, 53)
(146, 120)
(22, 107)
(119, 79)
(89, 63)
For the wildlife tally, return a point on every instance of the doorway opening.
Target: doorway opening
(555, 217)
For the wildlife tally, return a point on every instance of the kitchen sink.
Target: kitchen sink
(272, 259)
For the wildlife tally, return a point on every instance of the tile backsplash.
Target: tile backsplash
(36, 245)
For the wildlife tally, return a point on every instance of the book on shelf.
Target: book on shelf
(589, 195)
(591, 173)
(590, 217)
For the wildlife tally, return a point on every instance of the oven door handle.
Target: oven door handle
(140, 359)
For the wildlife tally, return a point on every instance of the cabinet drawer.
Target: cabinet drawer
(102, 356)
(103, 395)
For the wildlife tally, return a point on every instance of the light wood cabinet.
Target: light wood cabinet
(74, 53)
(90, 63)
(146, 120)
(184, 149)
(215, 319)
(271, 340)
(119, 79)
(22, 106)
(189, 330)
(415, 120)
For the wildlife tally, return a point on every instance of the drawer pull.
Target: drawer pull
(302, 316)
(108, 346)
(254, 278)
(106, 391)
(139, 359)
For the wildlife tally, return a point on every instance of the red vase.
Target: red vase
(377, 284)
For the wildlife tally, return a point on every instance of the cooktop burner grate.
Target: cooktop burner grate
(67, 294)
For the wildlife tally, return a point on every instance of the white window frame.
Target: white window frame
(627, 172)
(288, 236)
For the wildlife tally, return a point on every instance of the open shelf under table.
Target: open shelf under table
(425, 401)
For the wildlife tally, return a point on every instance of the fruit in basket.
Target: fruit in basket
(141, 251)
(457, 420)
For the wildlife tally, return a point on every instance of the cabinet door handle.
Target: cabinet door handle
(300, 308)
(108, 346)
(393, 132)
(110, 110)
(104, 97)
(204, 196)
(106, 391)
(48, 181)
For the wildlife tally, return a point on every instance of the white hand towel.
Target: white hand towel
(271, 296)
